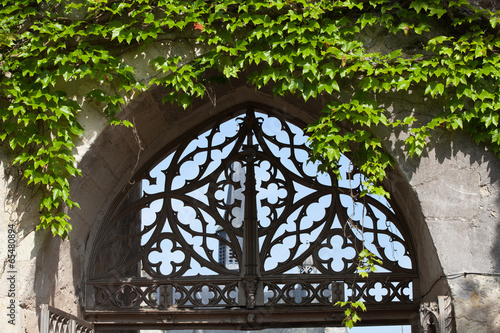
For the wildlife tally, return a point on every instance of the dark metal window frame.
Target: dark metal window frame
(121, 299)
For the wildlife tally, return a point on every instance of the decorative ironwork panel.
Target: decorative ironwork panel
(325, 293)
(381, 291)
(235, 216)
(164, 295)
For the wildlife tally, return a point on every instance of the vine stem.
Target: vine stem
(137, 138)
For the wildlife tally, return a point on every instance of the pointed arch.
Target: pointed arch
(239, 189)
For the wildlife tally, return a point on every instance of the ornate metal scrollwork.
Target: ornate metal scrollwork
(235, 217)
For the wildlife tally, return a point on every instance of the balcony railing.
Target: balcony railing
(56, 321)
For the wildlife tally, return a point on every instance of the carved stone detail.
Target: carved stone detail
(250, 291)
(429, 314)
(446, 314)
(437, 317)
(251, 318)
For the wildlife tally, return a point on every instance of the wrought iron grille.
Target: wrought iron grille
(235, 218)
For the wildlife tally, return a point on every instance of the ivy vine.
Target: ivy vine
(305, 48)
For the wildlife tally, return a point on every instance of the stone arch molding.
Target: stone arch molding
(226, 226)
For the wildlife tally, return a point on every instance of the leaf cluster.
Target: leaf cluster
(304, 48)
(351, 313)
(367, 262)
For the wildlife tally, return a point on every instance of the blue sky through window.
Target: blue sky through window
(272, 128)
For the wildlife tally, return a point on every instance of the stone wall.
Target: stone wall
(450, 196)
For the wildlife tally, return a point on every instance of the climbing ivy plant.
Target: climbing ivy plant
(305, 48)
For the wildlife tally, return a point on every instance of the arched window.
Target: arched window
(230, 226)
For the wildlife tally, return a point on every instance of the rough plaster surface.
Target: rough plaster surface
(450, 196)
(456, 184)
